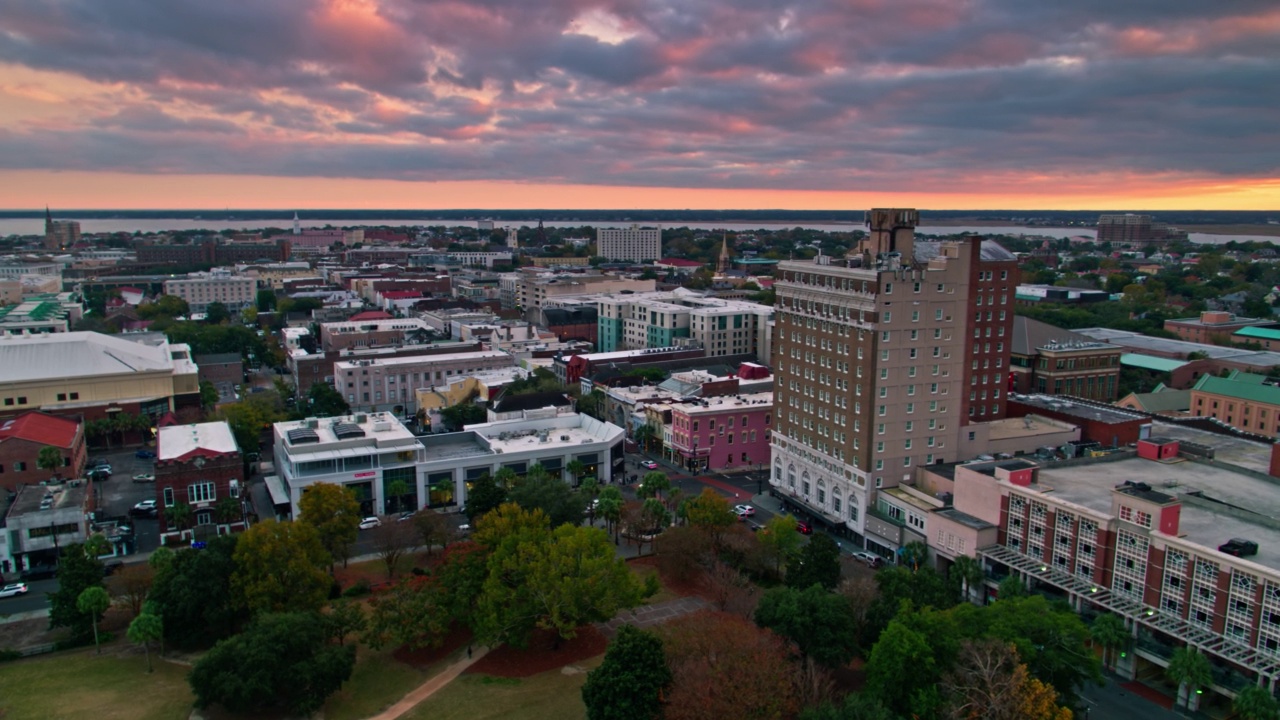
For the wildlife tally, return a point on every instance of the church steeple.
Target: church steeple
(722, 265)
(48, 220)
(297, 227)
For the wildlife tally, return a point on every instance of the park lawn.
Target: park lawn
(378, 681)
(551, 695)
(79, 685)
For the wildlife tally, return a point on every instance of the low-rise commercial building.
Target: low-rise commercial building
(198, 466)
(1246, 401)
(42, 519)
(23, 437)
(723, 433)
(43, 313)
(389, 384)
(202, 289)
(1211, 325)
(385, 332)
(1047, 360)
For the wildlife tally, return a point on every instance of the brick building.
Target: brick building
(311, 368)
(22, 438)
(703, 433)
(221, 368)
(1242, 400)
(200, 466)
(1048, 360)
(1211, 325)
(1100, 423)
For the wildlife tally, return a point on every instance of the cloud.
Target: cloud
(784, 94)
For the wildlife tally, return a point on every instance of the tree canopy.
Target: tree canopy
(192, 593)
(628, 684)
(78, 570)
(281, 566)
(819, 622)
(334, 513)
(817, 563)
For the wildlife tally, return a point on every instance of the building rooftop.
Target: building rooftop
(1217, 503)
(1182, 348)
(1007, 428)
(1165, 400)
(1244, 386)
(28, 358)
(1262, 333)
(40, 428)
(728, 403)
(545, 433)
(176, 442)
(1074, 408)
(42, 498)
(1230, 320)
(1030, 335)
(336, 437)
(416, 359)
(218, 359)
(1151, 362)
(964, 518)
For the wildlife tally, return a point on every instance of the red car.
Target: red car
(804, 528)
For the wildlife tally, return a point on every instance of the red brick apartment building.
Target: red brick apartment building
(199, 466)
(22, 438)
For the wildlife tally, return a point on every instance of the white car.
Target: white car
(744, 510)
(872, 560)
(144, 478)
(145, 506)
(369, 523)
(13, 590)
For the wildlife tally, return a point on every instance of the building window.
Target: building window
(168, 497)
(201, 492)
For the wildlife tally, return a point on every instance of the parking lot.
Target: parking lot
(116, 496)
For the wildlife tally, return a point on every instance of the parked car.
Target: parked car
(804, 528)
(98, 475)
(146, 507)
(649, 465)
(1239, 547)
(104, 469)
(144, 478)
(13, 590)
(872, 560)
(369, 523)
(744, 510)
(406, 516)
(145, 455)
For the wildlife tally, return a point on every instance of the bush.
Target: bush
(9, 655)
(74, 642)
(419, 572)
(335, 590)
(360, 588)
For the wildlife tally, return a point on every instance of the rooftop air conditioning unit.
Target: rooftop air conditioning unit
(381, 427)
(564, 438)
(361, 419)
(312, 423)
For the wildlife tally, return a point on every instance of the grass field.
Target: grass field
(378, 681)
(644, 571)
(552, 695)
(78, 685)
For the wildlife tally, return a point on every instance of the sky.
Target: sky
(801, 104)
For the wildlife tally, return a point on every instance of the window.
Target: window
(168, 497)
(201, 492)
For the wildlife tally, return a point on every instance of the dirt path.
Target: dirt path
(650, 615)
(428, 688)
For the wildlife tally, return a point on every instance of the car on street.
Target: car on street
(98, 475)
(13, 590)
(744, 510)
(145, 455)
(406, 516)
(146, 507)
(649, 465)
(369, 523)
(104, 468)
(144, 478)
(804, 528)
(871, 560)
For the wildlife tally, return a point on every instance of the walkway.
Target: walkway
(428, 688)
(650, 615)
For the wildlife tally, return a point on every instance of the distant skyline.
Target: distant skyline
(698, 104)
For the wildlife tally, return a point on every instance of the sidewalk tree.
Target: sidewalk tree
(50, 458)
(819, 622)
(645, 435)
(392, 540)
(780, 540)
(144, 630)
(710, 513)
(280, 565)
(817, 563)
(484, 496)
(968, 571)
(334, 513)
(555, 498)
(1109, 633)
(1256, 703)
(589, 490)
(396, 490)
(94, 601)
(629, 683)
(179, 515)
(227, 510)
(1052, 642)
(1191, 671)
(282, 659)
(77, 571)
(610, 507)
(914, 554)
(653, 485)
(576, 468)
(433, 529)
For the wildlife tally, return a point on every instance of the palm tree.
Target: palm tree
(1192, 671)
(645, 435)
(227, 510)
(1256, 703)
(396, 490)
(506, 477)
(969, 572)
(94, 601)
(915, 553)
(576, 468)
(179, 515)
(590, 488)
(537, 472)
(610, 508)
(1111, 635)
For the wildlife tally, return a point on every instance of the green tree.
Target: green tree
(854, 706)
(576, 468)
(819, 622)
(179, 515)
(645, 436)
(653, 484)
(558, 581)
(710, 513)
(467, 412)
(94, 601)
(1192, 672)
(902, 672)
(165, 306)
(335, 514)
(216, 313)
(1256, 703)
(818, 563)
(266, 300)
(281, 565)
(249, 417)
(914, 554)
(552, 496)
(208, 394)
(629, 682)
(144, 630)
(780, 539)
(50, 458)
(192, 593)
(610, 507)
(323, 400)
(923, 589)
(1109, 632)
(396, 490)
(484, 495)
(77, 571)
(1051, 639)
(1011, 587)
(345, 618)
(281, 659)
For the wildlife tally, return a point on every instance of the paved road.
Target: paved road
(1113, 702)
(35, 599)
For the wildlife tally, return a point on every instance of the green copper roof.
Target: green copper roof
(1151, 362)
(1245, 386)
(1259, 332)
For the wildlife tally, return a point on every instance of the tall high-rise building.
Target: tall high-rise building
(633, 243)
(882, 359)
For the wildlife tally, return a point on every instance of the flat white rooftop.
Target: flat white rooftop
(176, 441)
(729, 403)
(1224, 504)
(420, 359)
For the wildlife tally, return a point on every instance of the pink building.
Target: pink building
(723, 433)
(318, 239)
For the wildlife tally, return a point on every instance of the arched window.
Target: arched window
(804, 483)
(791, 476)
(822, 493)
(836, 504)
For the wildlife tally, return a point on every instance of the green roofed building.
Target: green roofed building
(1247, 401)
(1267, 337)
(41, 314)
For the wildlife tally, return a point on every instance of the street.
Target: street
(36, 598)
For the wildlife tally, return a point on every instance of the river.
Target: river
(35, 226)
